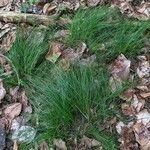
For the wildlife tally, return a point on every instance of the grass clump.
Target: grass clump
(107, 33)
(26, 53)
(64, 101)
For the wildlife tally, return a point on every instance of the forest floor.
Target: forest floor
(74, 75)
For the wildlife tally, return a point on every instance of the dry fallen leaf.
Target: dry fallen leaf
(93, 3)
(43, 146)
(88, 143)
(48, 8)
(143, 117)
(142, 135)
(55, 52)
(13, 110)
(120, 67)
(137, 104)
(4, 2)
(127, 110)
(60, 144)
(115, 83)
(127, 95)
(144, 67)
(74, 55)
(2, 91)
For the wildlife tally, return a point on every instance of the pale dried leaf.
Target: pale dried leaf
(60, 144)
(120, 67)
(137, 104)
(127, 95)
(143, 117)
(115, 83)
(127, 110)
(55, 52)
(89, 143)
(144, 67)
(142, 135)
(119, 127)
(13, 110)
(4, 2)
(2, 91)
(93, 3)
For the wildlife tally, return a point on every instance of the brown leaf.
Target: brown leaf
(142, 135)
(145, 95)
(137, 104)
(60, 144)
(2, 91)
(13, 110)
(43, 146)
(88, 143)
(120, 67)
(48, 8)
(74, 55)
(143, 70)
(55, 52)
(127, 95)
(143, 117)
(93, 3)
(4, 2)
(127, 109)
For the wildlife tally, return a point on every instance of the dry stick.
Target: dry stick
(32, 19)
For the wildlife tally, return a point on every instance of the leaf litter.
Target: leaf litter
(135, 134)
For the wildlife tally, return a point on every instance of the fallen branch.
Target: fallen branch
(32, 19)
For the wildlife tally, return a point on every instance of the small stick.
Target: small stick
(32, 19)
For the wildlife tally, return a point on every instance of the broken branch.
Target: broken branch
(32, 19)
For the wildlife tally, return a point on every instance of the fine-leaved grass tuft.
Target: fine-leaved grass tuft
(26, 52)
(107, 33)
(64, 101)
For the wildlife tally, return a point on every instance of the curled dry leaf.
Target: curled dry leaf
(48, 8)
(120, 67)
(59, 144)
(61, 33)
(2, 91)
(127, 110)
(145, 95)
(74, 55)
(55, 52)
(128, 140)
(13, 110)
(89, 143)
(4, 2)
(43, 146)
(143, 70)
(127, 95)
(143, 117)
(119, 127)
(93, 3)
(115, 83)
(142, 135)
(137, 104)
(141, 12)
(71, 4)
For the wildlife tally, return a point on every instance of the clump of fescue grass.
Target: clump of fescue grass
(26, 53)
(107, 33)
(63, 101)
